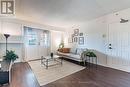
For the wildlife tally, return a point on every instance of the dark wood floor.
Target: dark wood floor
(22, 76)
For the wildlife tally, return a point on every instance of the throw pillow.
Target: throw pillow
(73, 50)
(66, 50)
(60, 50)
(79, 51)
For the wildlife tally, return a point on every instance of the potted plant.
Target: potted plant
(61, 45)
(90, 54)
(10, 56)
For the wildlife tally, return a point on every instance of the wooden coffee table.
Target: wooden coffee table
(45, 60)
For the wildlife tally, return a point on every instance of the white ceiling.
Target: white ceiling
(66, 13)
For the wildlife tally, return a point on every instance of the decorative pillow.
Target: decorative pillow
(66, 50)
(60, 50)
(84, 49)
(73, 50)
(79, 51)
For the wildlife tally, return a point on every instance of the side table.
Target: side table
(88, 59)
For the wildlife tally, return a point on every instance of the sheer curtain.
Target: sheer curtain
(37, 43)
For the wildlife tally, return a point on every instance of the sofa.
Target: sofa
(75, 54)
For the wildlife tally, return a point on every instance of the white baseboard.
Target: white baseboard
(122, 68)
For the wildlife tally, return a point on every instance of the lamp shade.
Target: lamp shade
(6, 35)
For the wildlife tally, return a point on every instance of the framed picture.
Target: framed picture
(76, 32)
(75, 39)
(81, 40)
(80, 34)
(72, 35)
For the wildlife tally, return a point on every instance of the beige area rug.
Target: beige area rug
(53, 73)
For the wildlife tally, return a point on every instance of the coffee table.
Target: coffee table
(45, 60)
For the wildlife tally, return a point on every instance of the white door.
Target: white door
(119, 46)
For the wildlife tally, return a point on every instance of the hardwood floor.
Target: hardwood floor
(22, 76)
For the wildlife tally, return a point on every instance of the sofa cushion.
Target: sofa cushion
(75, 56)
(64, 54)
(60, 50)
(66, 50)
(79, 51)
(73, 50)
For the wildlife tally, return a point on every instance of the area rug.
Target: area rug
(53, 73)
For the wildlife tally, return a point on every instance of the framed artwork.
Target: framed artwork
(76, 32)
(75, 39)
(72, 35)
(81, 40)
(80, 34)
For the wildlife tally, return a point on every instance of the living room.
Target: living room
(64, 43)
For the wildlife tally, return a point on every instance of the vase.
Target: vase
(51, 55)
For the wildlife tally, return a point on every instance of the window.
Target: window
(36, 37)
(31, 36)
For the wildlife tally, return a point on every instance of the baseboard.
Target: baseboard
(121, 68)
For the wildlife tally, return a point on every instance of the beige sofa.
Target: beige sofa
(75, 54)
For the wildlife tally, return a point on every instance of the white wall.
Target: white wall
(14, 41)
(14, 27)
(56, 39)
(97, 33)
(93, 33)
